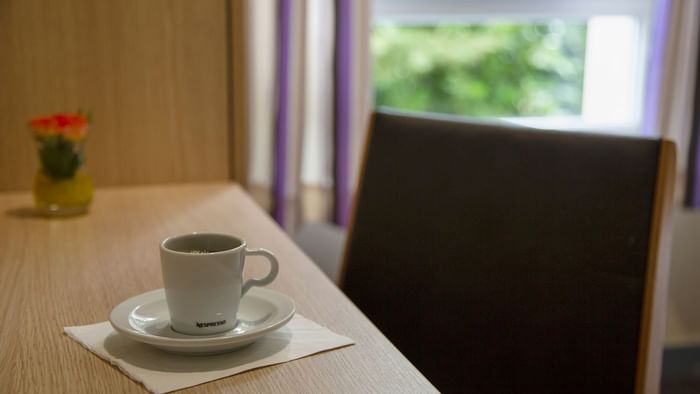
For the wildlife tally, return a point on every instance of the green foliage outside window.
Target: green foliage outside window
(481, 70)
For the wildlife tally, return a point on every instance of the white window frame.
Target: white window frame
(428, 12)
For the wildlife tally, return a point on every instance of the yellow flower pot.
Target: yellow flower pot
(62, 197)
(60, 187)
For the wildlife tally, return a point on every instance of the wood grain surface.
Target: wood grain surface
(155, 74)
(238, 26)
(73, 271)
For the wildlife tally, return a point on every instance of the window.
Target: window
(551, 64)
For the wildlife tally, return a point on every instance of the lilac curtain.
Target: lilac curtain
(343, 95)
(672, 91)
(283, 107)
(347, 90)
(692, 195)
(658, 46)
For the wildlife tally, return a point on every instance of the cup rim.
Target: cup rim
(177, 252)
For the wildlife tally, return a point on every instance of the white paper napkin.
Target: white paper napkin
(162, 372)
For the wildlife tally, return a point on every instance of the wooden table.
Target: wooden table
(73, 271)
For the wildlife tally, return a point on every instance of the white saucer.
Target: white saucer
(145, 318)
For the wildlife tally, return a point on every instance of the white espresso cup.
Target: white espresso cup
(203, 277)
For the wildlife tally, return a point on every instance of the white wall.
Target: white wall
(683, 324)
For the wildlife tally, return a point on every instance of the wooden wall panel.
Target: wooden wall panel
(155, 73)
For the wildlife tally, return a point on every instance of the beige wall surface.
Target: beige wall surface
(683, 324)
(154, 73)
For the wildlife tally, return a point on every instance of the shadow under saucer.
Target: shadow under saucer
(148, 357)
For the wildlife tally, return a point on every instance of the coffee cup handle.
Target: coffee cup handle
(274, 269)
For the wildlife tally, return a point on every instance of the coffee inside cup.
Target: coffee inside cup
(201, 243)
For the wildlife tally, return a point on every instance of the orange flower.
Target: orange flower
(70, 126)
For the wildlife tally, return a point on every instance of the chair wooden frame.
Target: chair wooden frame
(659, 260)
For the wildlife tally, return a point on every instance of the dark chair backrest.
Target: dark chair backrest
(501, 259)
